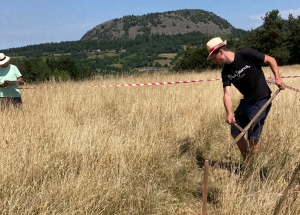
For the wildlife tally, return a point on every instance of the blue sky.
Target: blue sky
(29, 22)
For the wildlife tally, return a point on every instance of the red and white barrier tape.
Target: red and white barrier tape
(289, 76)
(153, 83)
(167, 83)
(161, 83)
(286, 86)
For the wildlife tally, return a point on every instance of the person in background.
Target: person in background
(243, 69)
(10, 78)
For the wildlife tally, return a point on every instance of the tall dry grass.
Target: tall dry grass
(139, 150)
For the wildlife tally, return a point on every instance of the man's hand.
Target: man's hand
(230, 119)
(279, 83)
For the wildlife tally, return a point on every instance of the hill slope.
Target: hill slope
(167, 23)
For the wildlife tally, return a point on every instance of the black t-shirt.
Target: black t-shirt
(246, 74)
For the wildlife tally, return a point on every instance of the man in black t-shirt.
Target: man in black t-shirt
(243, 69)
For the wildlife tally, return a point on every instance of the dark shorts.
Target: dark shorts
(245, 112)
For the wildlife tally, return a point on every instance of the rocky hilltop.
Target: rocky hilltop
(166, 23)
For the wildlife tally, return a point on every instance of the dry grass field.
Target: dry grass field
(76, 150)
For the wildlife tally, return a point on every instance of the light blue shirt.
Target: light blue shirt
(10, 73)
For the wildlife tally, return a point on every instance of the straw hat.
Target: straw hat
(214, 44)
(3, 59)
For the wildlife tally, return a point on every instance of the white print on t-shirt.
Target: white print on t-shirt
(237, 76)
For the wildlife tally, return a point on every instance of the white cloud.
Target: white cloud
(257, 16)
(285, 13)
(257, 20)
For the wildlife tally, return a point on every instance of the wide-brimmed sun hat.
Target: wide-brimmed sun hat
(213, 45)
(3, 59)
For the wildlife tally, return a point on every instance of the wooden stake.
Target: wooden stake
(205, 188)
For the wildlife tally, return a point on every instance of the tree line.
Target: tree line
(276, 37)
(40, 70)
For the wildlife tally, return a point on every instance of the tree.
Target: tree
(37, 70)
(61, 75)
(294, 39)
(272, 37)
(194, 58)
